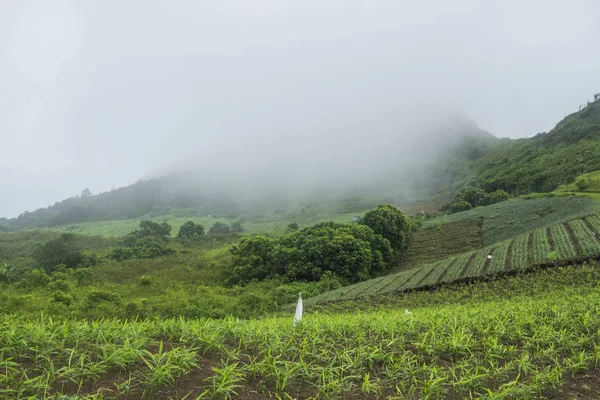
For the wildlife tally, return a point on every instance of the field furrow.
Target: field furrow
(400, 281)
(519, 252)
(360, 288)
(562, 242)
(478, 264)
(573, 239)
(455, 270)
(467, 266)
(416, 278)
(593, 222)
(386, 281)
(587, 239)
(439, 269)
(541, 247)
(499, 259)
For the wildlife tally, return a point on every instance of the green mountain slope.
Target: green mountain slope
(201, 193)
(470, 156)
(547, 160)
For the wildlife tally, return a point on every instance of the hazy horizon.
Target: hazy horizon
(101, 94)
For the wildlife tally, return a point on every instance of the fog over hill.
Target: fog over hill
(102, 94)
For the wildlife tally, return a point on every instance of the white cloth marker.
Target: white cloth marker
(298, 315)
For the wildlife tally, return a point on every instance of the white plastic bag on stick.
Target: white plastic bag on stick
(298, 315)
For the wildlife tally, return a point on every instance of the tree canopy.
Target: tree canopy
(389, 222)
(219, 227)
(63, 250)
(190, 229)
(350, 252)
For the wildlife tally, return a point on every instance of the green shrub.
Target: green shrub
(62, 297)
(60, 285)
(145, 280)
(97, 296)
(121, 254)
(62, 250)
(219, 227)
(459, 206)
(498, 196)
(33, 279)
(255, 304)
(150, 247)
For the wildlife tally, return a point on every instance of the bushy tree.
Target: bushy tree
(237, 227)
(459, 206)
(498, 196)
(64, 249)
(351, 253)
(149, 241)
(190, 229)
(33, 279)
(389, 222)
(219, 227)
(253, 259)
(474, 196)
(146, 229)
(151, 228)
(121, 254)
(151, 247)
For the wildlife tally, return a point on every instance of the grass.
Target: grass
(527, 337)
(437, 242)
(122, 227)
(513, 217)
(273, 225)
(573, 240)
(593, 183)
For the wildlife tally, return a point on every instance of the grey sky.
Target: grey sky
(101, 93)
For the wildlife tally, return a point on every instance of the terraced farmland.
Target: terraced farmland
(513, 217)
(572, 240)
(439, 242)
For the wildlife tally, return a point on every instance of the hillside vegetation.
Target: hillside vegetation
(574, 240)
(533, 339)
(547, 160)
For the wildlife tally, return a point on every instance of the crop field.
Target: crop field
(568, 241)
(513, 217)
(515, 340)
(441, 241)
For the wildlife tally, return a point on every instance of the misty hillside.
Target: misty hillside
(352, 174)
(435, 161)
(547, 160)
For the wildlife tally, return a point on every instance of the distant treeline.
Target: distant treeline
(157, 196)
